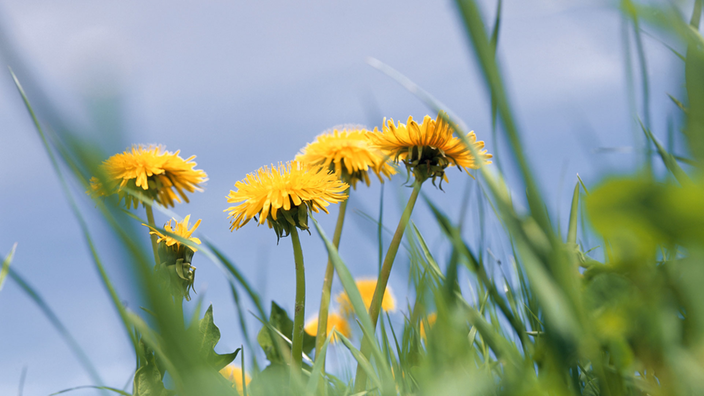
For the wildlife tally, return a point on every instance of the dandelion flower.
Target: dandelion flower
(174, 267)
(157, 173)
(234, 375)
(348, 153)
(366, 290)
(181, 229)
(334, 320)
(282, 196)
(431, 319)
(427, 149)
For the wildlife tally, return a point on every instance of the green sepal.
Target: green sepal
(297, 216)
(175, 271)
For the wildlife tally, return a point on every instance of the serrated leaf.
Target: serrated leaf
(148, 382)
(219, 361)
(208, 335)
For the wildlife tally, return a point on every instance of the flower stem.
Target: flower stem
(150, 219)
(375, 307)
(321, 334)
(297, 341)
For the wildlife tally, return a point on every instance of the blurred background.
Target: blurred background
(247, 84)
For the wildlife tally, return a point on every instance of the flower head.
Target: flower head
(234, 375)
(334, 321)
(427, 149)
(175, 257)
(282, 196)
(347, 152)
(431, 319)
(366, 290)
(181, 229)
(157, 173)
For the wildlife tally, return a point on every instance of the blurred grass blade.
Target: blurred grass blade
(494, 107)
(574, 209)
(362, 361)
(243, 325)
(121, 392)
(432, 264)
(501, 347)
(283, 337)
(317, 370)
(492, 77)
(455, 238)
(63, 331)
(6, 265)
(582, 184)
(117, 303)
(355, 297)
(678, 103)
(668, 159)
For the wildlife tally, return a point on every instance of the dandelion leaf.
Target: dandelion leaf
(208, 335)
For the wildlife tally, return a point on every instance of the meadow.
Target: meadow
(607, 302)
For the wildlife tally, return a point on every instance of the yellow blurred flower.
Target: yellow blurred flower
(431, 319)
(347, 152)
(282, 196)
(234, 375)
(334, 320)
(427, 149)
(366, 290)
(152, 170)
(181, 229)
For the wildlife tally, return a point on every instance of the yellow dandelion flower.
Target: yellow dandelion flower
(334, 320)
(427, 149)
(234, 375)
(181, 229)
(282, 196)
(366, 290)
(431, 319)
(347, 152)
(152, 170)
(175, 269)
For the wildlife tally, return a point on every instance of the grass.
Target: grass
(561, 321)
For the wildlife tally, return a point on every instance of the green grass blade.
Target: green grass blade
(481, 46)
(117, 302)
(121, 392)
(317, 370)
(668, 159)
(574, 209)
(357, 304)
(58, 325)
(6, 265)
(362, 361)
(455, 238)
(432, 264)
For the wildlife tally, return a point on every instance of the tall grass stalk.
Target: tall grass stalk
(327, 282)
(383, 280)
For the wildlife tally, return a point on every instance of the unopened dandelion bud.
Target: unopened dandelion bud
(175, 268)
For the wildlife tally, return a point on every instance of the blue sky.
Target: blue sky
(246, 84)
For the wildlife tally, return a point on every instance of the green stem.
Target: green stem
(297, 341)
(375, 307)
(150, 219)
(321, 335)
